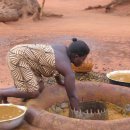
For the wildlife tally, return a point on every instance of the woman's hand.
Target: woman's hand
(78, 114)
(59, 80)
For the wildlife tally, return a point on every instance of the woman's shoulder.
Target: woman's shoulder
(61, 53)
(59, 48)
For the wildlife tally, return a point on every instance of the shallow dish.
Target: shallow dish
(10, 124)
(120, 77)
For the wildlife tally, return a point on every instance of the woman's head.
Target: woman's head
(78, 51)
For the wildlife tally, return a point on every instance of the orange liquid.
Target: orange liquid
(121, 77)
(9, 112)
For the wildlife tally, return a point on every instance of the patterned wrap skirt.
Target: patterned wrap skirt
(29, 63)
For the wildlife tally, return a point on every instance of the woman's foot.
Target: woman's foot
(3, 100)
(0, 100)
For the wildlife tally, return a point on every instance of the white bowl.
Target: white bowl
(14, 122)
(118, 82)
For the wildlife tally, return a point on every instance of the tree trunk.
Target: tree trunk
(110, 5)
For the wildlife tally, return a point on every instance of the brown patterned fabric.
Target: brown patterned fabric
(28, 63)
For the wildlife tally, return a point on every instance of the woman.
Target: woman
(28, 64)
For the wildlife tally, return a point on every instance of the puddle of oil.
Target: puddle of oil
(115, 112)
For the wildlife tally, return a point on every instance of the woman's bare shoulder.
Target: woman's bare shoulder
(59, 48)
(61, 58)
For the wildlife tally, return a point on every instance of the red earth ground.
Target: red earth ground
(107, 34)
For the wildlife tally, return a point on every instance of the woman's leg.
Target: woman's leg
(14, 92)
(24, 78)
(41, 88)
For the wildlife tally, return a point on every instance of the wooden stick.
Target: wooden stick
(43, 3)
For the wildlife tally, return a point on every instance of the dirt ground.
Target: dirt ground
(107, 34)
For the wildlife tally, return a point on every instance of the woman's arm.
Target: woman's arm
(71, 90)
(65, 69)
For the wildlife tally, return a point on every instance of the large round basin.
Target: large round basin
(87, 91)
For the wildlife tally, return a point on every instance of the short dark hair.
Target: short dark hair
(78, 47)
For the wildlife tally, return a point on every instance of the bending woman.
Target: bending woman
(29, 63)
